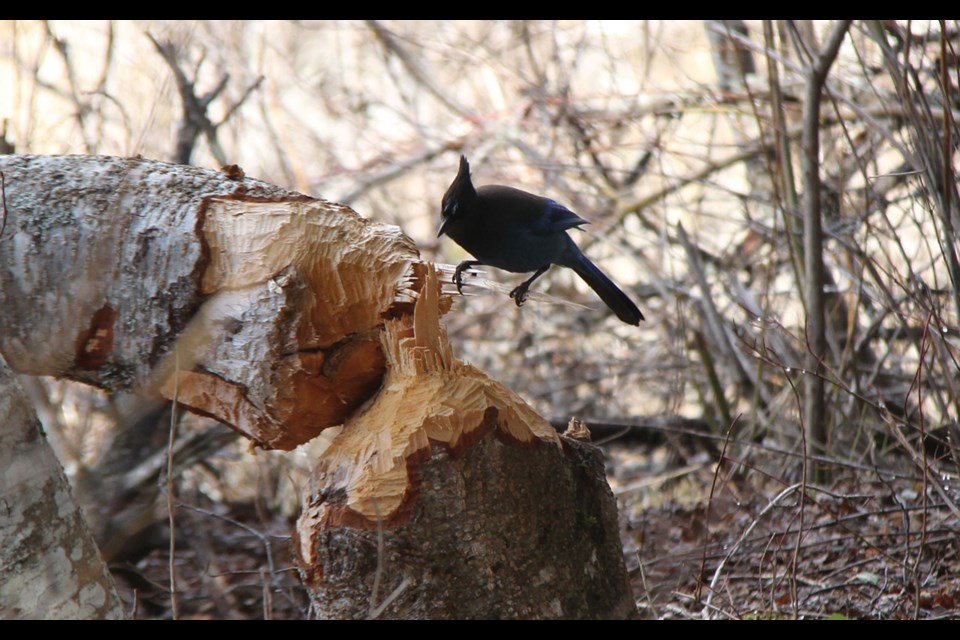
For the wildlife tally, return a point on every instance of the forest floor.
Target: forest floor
(871, 545)
(697, 544)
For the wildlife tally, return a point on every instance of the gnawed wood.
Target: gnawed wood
(454, 496)
(428, 398)
(264, 305)
(325, 277)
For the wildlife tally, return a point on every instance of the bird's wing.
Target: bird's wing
(558, 218)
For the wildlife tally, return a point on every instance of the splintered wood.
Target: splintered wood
(428, 398)
(323, 278)
(255, 305)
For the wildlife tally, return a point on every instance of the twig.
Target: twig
(710, 313)
(195, 118)
(400, 588)
(646, 588)
(713, 486)
(170, 499)
(81, 109)
(719, 571)
(262, 537)
(3, 200)
(395, 170)
(392, 45)
(927, 473)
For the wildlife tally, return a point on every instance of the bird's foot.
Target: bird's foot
(458, 276)
(519, 294)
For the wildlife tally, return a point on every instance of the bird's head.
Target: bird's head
(457, 198)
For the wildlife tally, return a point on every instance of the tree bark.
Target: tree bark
(260, 306)
(49, 564)
(283, 315)
(814, 401)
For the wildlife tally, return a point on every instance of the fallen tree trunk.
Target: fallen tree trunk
(444, 494)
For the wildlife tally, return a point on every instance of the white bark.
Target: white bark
(259, 306)
(49, 564)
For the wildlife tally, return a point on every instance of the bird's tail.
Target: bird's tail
(610, 293)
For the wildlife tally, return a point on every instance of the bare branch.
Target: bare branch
(814, 407)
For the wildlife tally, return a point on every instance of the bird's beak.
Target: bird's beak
(443, 225)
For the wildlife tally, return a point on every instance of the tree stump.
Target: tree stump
(443, 496)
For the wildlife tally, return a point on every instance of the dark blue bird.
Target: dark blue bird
(521, 232)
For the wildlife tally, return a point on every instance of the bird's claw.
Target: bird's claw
(519, 295)
(458, 279)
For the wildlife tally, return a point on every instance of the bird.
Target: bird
(520, 232)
